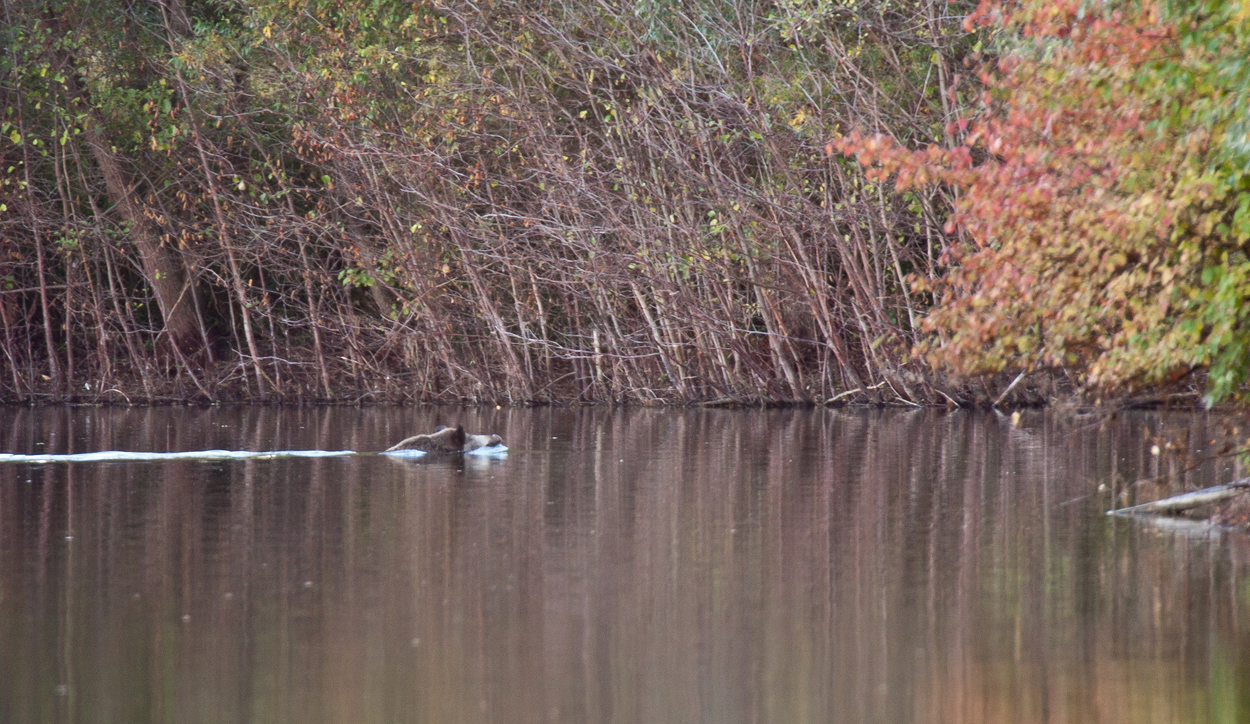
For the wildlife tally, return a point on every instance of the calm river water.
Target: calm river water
(616, 566)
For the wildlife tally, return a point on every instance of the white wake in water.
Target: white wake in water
(493, 451)
(404, 453)
(108, 456)
(126, 456)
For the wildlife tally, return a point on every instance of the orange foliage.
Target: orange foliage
(1086, 201)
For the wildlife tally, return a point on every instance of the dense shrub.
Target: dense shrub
(1103, 202)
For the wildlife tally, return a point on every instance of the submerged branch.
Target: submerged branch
(1188, 501)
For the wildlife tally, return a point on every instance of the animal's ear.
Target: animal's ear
(458, 437)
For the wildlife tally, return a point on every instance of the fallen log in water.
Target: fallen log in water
(1186, 501)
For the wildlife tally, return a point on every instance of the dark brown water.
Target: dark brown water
(627, 566)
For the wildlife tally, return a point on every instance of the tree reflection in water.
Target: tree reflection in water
(617, 566)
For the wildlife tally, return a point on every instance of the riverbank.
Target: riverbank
(230, 385)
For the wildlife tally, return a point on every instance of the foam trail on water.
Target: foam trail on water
(404, 453)
(492, 451)
(127, 456)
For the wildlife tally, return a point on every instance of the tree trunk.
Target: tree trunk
(161, 264)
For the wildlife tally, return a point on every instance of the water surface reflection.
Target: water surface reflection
(617, 566)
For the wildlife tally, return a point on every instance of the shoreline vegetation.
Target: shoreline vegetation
(717, 203)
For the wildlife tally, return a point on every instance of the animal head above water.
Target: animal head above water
(473, 442)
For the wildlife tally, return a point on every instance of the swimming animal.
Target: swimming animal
(446, 440)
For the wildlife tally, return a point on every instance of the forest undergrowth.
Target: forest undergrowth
(651, 202)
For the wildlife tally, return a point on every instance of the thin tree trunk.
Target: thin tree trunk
(314, 317)
(106, 364)
(223, 228)
(47, 317)
(138, 360)
(8, 347)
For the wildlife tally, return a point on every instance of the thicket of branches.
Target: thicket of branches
(557, 200)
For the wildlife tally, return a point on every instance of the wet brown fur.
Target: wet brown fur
(446, 440)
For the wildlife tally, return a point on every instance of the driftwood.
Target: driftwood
(1007, 391)
(1186, 501)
